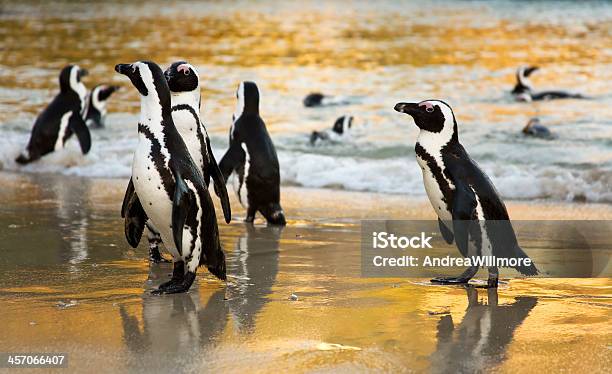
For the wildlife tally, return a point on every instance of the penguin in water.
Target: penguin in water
(168, 187)
(535, 129)
(341, 128)
(183, 81)
(317, 99)
(470, 211)
(60, 119)
(523, 90)
(95, 111)
(252, 156)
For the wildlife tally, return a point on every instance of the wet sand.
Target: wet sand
(70, 283)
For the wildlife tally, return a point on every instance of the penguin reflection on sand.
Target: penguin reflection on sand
(478, 344)
(169, 187)
(252, 156)
(184, 83)
(523, 91)
(60, 119)
(95, 110)
(470, 211)
(169, 332)
(341, 128)
(254, 264)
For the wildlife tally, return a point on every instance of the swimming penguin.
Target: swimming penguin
(95, 111)
(252, 156)
(470, 211)
(534, 128)
(317, 99)
(523, 91)
(167, 186)
(60, 119)
(341, 127)
(183, 81)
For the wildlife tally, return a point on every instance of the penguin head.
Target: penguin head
(343, 124)
(184, 81)
(182, 77)
(149, 80)
(102, 91)
(248, 99)
(434, 116)
(522, 79)
(70, 78)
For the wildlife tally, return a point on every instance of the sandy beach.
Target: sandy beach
(72, 284)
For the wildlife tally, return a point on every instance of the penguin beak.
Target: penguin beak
(530, 70)
(123, 68)
(83, 73)
(408, 108)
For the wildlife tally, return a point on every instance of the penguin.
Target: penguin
(183, 81)
(317, 99)
(60, 119)
(167, 186)
(470, 211)
(535, 129)
(95, 110)
(252, 156)
(341, 127)
(523, 90)
(313, 99)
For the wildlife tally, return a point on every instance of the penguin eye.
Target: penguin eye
(186, 72)
(429, 109)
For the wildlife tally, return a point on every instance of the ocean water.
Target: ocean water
(369, 55)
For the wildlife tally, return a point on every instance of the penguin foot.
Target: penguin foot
(174, 286)
(450, 280)
(156, 257)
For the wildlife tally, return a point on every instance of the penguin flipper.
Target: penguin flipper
(129, 191)
(219, 181)
(231, 159)
(446, 233)
(78, 126)
(134, 215)
(181, 205)
(463, 209)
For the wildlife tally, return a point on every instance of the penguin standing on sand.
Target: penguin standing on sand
(183, 81)
(470, 211)
(95, 111)
(341, 128)
(252, 156)
(523, 91)
(60, 119)
(167, 186)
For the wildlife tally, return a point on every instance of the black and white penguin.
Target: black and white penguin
(341, 128)
(317, 99)
(60, 119)
(535, 129)
(470, 211)
(167, 186)
(184, 83)
(252, 156)
(523, 90)
(95, 111)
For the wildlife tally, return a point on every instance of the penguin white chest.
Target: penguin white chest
(434, 191)
(151, 192)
